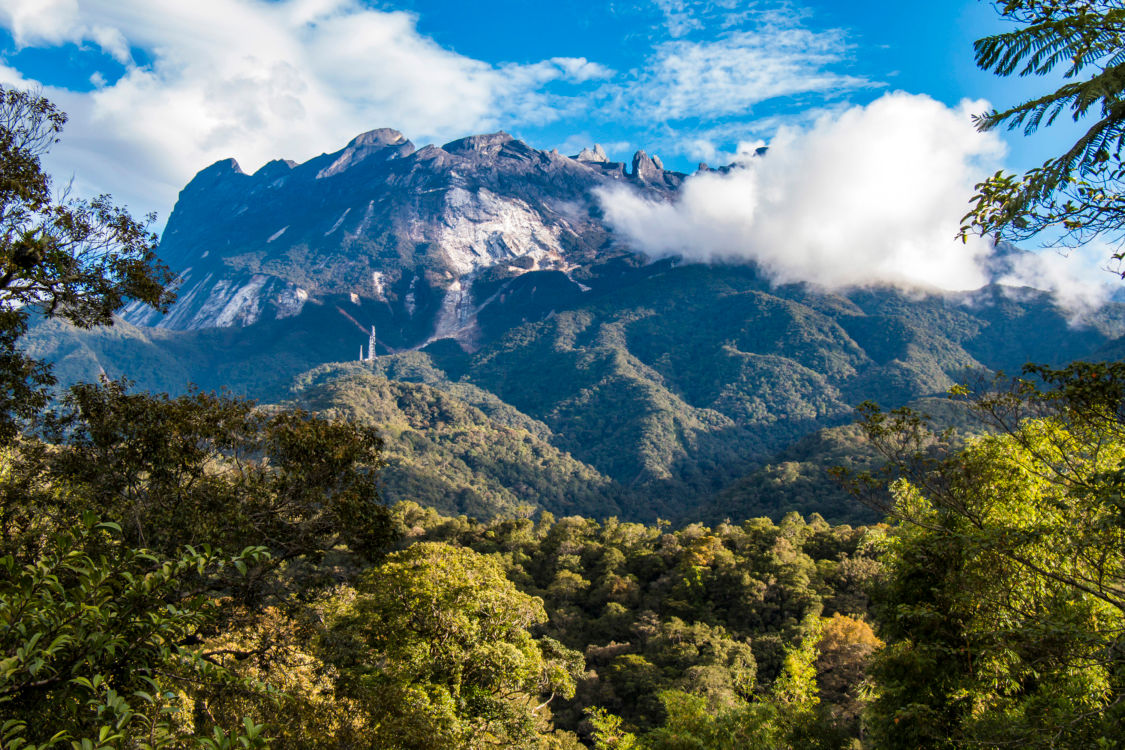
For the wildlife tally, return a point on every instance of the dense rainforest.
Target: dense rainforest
(202, 571)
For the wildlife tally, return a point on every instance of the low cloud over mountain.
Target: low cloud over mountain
(871, 194)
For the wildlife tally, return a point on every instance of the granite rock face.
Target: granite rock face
(597, 154)
(380, 225)
(650, 170)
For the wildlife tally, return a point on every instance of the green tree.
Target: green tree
(95, 644)
(204, 468)
(123, 623)
(607, 732)
(1004, 606)
(80, 260)
(1078, 192)
(785, 718)
(208, 471)
(433, 645)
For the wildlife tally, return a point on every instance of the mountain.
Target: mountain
(404, 239)
(443, 452)
(522, 356)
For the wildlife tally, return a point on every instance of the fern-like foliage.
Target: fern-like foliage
(1076, 191)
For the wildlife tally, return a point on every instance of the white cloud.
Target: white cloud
(724, 142)
(262, 79)
(730, 75)
(679, 16)
(683, 17)
(872, 194)
(50, 21)
(1080, 278)
(580, 70)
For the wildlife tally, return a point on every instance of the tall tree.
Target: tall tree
(434, 646)
(1004, 607)
(80, 260)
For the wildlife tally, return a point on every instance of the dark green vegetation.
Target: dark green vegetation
(458, 458)
(666, 396)
(345, 624)
(712, 614)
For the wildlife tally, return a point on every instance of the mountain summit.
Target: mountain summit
(399, 237)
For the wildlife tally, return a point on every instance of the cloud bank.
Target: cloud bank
(260, 79)
(176, 84)
(871, 194)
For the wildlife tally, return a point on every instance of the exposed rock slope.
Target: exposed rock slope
(397, 237)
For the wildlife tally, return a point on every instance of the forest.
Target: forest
(203, 571)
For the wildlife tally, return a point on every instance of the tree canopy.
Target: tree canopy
(434, 645)
(1003, 608)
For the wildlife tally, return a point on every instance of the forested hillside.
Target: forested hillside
(345, 622)
(674, 386)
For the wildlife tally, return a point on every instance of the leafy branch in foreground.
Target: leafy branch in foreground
(1078, 192)
(93, 642)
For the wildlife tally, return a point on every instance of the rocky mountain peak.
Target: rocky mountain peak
(596, 155)
(646, 168)
(417, 242)
(216, 178)
(271, 170)
(379, 137)
(489, 143)
(382, 144)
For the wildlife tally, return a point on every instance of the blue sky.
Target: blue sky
(158, 89)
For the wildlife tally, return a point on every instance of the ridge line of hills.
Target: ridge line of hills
(529, 357)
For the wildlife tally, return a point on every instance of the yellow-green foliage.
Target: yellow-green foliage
(1006, 599)
(433, 646)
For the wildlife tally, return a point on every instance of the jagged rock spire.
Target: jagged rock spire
(646, 168)
(596, 155)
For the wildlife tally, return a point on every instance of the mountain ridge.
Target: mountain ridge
(384, 223)
(492, 289)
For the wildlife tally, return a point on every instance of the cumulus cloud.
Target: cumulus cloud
(871, 194)
(273, 78)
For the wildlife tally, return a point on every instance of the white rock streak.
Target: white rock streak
(483, 228)
(457, 315)
(338, 222)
